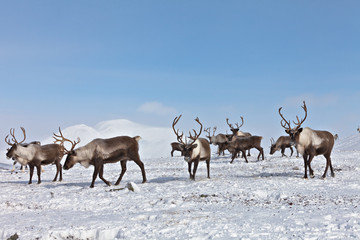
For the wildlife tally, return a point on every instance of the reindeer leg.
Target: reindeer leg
(328, 163)
(31, 173)
(244, 155)
(292, 151)
(208, 167)
(172, 153)
(38, 168)
(309, 163)
(196, 163)
(233, 156)
(58, 169)
(101, 171)
(96, 172)
(305, 164)
(123, 170)
(141, 165)
(283, 152)
(249, 153)
(189, 169)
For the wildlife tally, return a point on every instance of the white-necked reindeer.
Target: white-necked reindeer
(195, 151)
(309, 142)
(35, 155)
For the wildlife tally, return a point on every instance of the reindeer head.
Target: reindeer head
(211, 138)
(235, 130)
(14, 143)
(187, 148)
(71, 154)
(293, 132)
(273, 147)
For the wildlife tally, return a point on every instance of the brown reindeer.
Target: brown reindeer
(309, 142)
(195, 151)
(241, 144)
(236, 131)
(102, 151)
(282, 143)
(175, 146)
(35, 155)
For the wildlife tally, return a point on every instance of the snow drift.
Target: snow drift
(155, 141)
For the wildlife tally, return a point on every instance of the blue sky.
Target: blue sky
(69, 62)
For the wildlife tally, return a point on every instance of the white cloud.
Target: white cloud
(156, 108)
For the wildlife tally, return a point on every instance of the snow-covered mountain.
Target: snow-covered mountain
(155, 141)
(350, 143)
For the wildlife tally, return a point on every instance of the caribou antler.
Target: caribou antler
(227, 121)
(61, 139)
(298, 124)
(194, 138)
(179, 137)
(237, 124)
(283, 119)
(12, 133)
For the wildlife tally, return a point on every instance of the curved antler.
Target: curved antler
(63, 139)
(194, 138)
(12, 133)
(179, 137)
(283, 119)
(227, 121)
(298, 124)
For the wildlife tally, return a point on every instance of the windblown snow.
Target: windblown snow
(257, 200)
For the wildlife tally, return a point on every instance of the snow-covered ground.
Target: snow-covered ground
(257, 200)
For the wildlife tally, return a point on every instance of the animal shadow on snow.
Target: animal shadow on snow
(167, 179)
(273, 174)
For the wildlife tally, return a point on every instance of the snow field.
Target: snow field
(260, 200)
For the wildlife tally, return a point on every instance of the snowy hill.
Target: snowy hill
(155, 141)
(351, 143)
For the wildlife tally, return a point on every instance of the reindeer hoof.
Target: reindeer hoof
(333, 174)
(312, 175)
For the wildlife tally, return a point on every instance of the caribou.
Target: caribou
(236, 131)
(22, 167)
(35, 155)
(218, 140)
(102, 151)
(282, 143)
(309, 142)
(241, 144)
(198, 149)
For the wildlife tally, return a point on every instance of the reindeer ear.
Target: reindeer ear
(287, 131)
(194, 146)
(300, 130)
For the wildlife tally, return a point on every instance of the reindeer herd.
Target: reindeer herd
(308, 142)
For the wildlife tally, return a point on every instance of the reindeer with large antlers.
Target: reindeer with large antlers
(236, 131)
(35, 155)
(309, 142)
(102, 151)
(195, 151)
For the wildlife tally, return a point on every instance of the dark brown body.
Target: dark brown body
(102, 151)
(175, 146)
(36, 155)
(282, 143)
(241, 144)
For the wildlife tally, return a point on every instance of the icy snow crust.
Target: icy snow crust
(257, 200)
